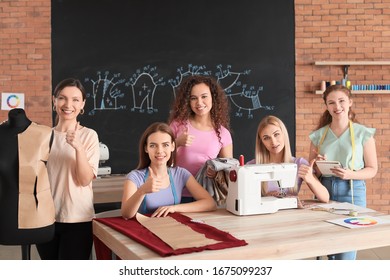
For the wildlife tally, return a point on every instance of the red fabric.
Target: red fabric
(101, 250)
(133, 229)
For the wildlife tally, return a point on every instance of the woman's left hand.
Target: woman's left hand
(342, 173)
(306, 172)
(163, 211)
(210, 172)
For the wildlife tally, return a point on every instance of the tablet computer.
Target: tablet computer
(325, 165)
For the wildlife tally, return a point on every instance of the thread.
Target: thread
(241, 160)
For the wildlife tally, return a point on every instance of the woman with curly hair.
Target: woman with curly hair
(200, 121)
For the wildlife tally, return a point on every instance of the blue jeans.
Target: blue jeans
(340, 190)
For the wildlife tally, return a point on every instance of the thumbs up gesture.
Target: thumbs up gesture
(72, 137)
(185, 139)
(153, 183)
(306, 172)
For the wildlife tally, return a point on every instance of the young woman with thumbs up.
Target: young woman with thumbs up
(155, 186)
(72, 165)
(200, 122)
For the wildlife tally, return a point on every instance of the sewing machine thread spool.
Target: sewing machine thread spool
(242, 160)
(353, 213)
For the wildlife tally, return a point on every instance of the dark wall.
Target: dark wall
(132, 54)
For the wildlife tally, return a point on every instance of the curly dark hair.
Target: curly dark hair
(220, 111)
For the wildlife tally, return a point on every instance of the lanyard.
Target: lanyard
(352, 162)
(173, 189)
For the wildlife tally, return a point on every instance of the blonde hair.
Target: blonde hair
(262, 155)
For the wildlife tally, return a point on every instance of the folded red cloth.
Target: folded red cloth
(133, 229)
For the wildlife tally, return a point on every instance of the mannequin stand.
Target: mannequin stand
(26, 252)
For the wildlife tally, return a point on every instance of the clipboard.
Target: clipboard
(325, 165)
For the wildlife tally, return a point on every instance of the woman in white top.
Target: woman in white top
(72, 165)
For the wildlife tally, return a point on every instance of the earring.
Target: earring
(54, 108)
(82, 111)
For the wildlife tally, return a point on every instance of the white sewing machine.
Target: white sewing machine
(104, 155)
(244, 192)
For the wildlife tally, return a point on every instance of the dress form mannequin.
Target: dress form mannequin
(11, 232)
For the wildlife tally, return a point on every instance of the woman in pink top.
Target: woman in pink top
(200, 121)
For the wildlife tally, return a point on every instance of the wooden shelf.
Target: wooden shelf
(362, 92)
(349, 62)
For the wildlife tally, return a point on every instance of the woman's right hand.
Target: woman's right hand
(185, 139)
(153, 183)
(318, 157)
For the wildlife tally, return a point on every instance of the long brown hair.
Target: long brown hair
(326, 117)
(144, 160)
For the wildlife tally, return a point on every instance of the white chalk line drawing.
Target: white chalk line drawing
(189, 71)
(143, 87)
(108, 90)
(245, 99)
(105, 91)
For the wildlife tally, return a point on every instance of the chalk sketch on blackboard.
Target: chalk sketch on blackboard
(189, 71)
(228, 78)
(246, 98)
(143, 88)
(106, 91)
(110, 92)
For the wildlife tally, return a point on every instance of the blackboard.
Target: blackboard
(132, 54)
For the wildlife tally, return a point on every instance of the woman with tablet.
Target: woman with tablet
(340, 138)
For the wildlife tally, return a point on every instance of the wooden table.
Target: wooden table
(108, 189)
(287, 234)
